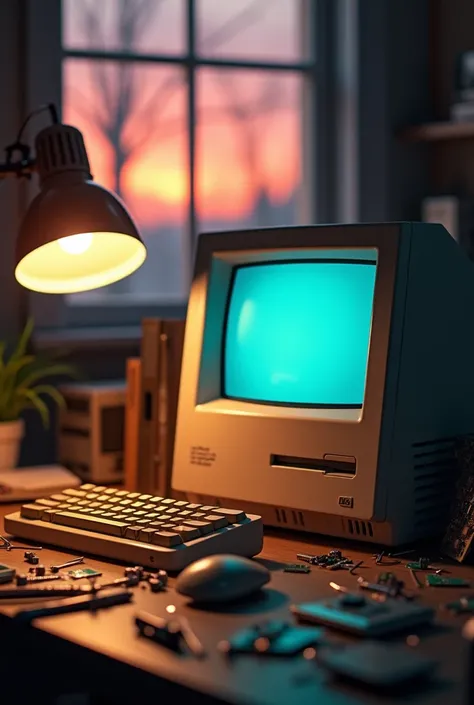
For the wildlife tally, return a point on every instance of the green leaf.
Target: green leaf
(52, 392)
(48, 370)
(36, 402)
(22, 344)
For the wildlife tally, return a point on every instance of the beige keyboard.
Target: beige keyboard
(136, 528)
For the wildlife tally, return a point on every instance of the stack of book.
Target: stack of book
(151, 407)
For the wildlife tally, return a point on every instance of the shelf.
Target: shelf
(436, 131)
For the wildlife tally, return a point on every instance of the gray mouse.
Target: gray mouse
(222, 578)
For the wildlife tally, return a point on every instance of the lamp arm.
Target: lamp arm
(24, 165)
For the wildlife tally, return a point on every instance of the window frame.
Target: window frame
(44, 84)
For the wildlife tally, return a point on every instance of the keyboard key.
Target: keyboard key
(106, 507)
(32, 511)
(172, 510)
(121, 493)
(149, 507)
(90, 523)
(72, 500)
(110, 490)
(163, 517)
(142, 522)
(185, 513)
(156, 523)
(151, 516)
(137, 505)
(47, 515)
(216, 521)
(91, 495)
(97, 512)
(156, 500)
(128, 511)
(194, 506)
(187, 533)
(167, 527)
(84, 510)
(133, 532)
(146, 535)
(207, 509)
(139, 513)
(198, 515)
(82, 503)
(121, 517)
(180, 503)
(114, 500)
(103, 498)
(126, 502)
(166, 538)
(59, 497)
(87, 487)
(47, 502)
(144, 497)
(205, 527)
(168, 501)
(75, 493)
(133, 495)
(233, 516)
(99, 489)
(95, 505)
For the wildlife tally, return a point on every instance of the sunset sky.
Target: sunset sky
(248, 128)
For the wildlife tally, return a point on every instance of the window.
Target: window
(196, 112)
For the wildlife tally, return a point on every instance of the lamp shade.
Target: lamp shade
(76, 235)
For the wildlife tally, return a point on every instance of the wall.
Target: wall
(453, 32)
(394, 91)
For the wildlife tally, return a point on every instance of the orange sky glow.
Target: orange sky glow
(234, 158)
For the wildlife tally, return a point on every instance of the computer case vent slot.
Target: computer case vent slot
(434, 478)
(289, 517)
(357, 527)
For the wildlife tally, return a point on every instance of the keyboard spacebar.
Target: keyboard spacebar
(80, 521)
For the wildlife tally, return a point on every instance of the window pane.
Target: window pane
(262, 29)
(130, 26)
(249, 145)
(133, 117)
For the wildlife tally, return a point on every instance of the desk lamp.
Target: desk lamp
(76, 235)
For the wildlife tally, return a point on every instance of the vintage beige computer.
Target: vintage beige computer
(327, 373)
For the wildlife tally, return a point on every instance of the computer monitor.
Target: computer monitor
(327, 374)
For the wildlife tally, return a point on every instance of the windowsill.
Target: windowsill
(88, 337)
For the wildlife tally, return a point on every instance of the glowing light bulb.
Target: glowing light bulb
(76, 244)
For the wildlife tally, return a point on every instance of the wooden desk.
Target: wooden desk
(101, 653)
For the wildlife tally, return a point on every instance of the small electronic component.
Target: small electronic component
(40, 570)
(376, 664)
(174, 634)
(80, 573)
(362, 615)
(297, 568)
(156, 585)
(67, 564)
(31, 557)
(25, 579)
(442, 581)
(135, 570)
(334, 560)
(272, 638)
(463, 605)
(421, 564)
(7, 574)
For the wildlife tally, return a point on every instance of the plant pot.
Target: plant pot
(11, 433)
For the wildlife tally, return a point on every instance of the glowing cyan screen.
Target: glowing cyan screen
(298, 333)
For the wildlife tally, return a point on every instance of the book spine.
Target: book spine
(132, 422)
(150, 378)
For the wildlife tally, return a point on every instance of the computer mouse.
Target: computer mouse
(221, 578)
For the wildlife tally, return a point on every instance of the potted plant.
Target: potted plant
(23, 386)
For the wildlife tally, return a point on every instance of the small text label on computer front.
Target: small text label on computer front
(347, 502)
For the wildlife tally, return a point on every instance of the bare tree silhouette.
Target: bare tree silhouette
(129, 113)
